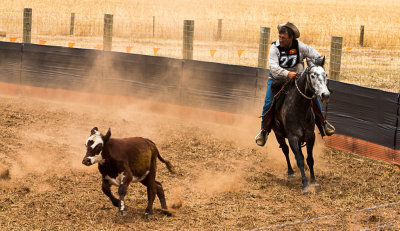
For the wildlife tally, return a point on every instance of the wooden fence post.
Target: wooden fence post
(71, 27)
(27, 25)
(107, 35)
(263, 46)
(154, 24)
(362, 35)
(188, 34)
(219, 31)
(336, 57)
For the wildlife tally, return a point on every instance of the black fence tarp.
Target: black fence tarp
(157, 78)
(58, 67)
(359, 112)
(219, 86)
(10, 62)
(364, 113)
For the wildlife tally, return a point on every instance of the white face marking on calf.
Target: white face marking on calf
(96, 138)
(318, 80)
(96, 159)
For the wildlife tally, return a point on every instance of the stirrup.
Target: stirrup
(329, 129)
(261, 138)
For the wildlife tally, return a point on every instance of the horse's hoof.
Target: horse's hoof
(290, 176)
(122, 213)
(305, 190)
(146, 215)
(316, 186)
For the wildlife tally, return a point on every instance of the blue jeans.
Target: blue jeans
(269, 96)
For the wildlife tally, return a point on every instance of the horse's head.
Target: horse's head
(317, 77)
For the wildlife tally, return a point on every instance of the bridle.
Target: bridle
(306, 72)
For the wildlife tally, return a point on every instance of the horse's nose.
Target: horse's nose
(325, 96)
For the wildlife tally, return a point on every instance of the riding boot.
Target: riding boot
(323, 125)
(262, 137)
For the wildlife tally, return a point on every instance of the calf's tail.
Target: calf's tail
(167, 163)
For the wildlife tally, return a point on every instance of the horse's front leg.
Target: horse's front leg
(285, 150)
(310, 159)
(294, 145)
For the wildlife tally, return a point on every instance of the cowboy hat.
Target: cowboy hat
(291, 26)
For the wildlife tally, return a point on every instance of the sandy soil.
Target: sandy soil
(224, 181)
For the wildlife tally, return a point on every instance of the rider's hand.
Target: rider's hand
(292, 74)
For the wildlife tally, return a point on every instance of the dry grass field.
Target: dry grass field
(318, 19)
(374, 65)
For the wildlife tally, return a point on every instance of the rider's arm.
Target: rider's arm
(276, 70)
(307, 52)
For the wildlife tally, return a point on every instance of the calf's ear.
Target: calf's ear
(107, 136)
(94, 130)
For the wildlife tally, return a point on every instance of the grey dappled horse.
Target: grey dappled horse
(294, 118)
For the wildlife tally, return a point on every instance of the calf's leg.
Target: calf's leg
(122, 192)
(106, 190)
(161, 196)
(150, 183)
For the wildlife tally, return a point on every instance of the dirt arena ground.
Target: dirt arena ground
(223, 181)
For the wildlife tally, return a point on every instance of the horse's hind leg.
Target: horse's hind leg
(294, 145)
(285, 150)
(310, 160)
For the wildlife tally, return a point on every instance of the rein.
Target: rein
(276, 96)
(301, 93)
(282, 88)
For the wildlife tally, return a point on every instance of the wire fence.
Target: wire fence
(371, 64)
(382, 217)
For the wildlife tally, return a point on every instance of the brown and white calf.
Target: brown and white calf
(126, 160)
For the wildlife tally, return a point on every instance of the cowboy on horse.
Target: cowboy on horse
(286, 57)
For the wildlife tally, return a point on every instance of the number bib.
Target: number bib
(289, 57)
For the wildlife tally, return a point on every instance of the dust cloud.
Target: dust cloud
(54, 142)
(213, 183)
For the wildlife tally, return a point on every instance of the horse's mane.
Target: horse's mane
(277, 84)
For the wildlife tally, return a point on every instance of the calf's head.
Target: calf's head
(94, 146)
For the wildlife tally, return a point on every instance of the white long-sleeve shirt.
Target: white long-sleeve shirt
(277, 71)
